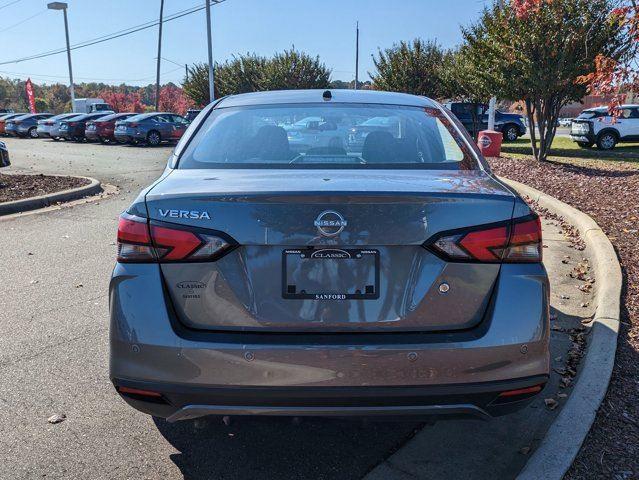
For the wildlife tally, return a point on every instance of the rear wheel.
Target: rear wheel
(153, 138)
(585, 144)
(33, 132)
(510, 133)
(607, 141)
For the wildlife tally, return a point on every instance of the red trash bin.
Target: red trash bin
(489, 142)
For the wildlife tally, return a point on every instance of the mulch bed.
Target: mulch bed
(609, 193)
(17, 187)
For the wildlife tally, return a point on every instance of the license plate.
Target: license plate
(330, 274)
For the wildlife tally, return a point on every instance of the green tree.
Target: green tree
(293, 69)
(41, 105)
(410, 67)
(196, 85)
(241, 74)
(537, 51)
(58, 98)
(251, 73)
(459, 82)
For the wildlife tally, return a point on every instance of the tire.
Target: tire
(55, 139)
(510, 133)
(104, 141)
(585, 144)
(607, 141)
(33, 132)
(153, 138)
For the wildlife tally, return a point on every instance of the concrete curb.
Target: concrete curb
(42, 201)
(565, 436)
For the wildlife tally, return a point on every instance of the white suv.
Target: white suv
(598, 126)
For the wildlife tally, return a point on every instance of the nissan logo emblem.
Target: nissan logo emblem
(330, 223)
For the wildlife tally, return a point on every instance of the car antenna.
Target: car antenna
(327, 95)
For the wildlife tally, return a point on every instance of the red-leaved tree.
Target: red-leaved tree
(173, 99)
(123, 102)
(615, 77)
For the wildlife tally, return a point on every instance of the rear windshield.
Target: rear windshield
(327, 136)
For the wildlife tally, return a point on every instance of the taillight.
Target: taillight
(141, 241)
(134, 240)
(514, 241)
(525, 241)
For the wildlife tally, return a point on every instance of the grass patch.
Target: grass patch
(563, 147)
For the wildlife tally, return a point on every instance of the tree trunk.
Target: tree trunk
(543, 114)
(548, 116)
(530, 113)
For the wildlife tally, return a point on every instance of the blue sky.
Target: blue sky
(325, 28)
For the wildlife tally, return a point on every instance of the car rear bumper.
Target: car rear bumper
(199, 373)
(480, 400)
(92, 135)
(129, 135)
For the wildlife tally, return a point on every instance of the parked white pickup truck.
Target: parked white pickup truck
(598, 126)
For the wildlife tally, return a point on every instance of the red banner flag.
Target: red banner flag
(30, 96)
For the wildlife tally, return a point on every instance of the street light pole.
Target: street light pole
(210, 42)
(63, 6)
(356, 56)
(157, 74)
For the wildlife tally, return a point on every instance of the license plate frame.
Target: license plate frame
(368, 257)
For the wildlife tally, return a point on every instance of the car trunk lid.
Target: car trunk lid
(316, 254)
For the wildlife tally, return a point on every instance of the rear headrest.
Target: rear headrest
(380, 147)
(270, 143)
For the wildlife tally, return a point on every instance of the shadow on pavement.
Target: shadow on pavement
(281, 448)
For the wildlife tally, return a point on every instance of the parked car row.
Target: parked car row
(102, 126)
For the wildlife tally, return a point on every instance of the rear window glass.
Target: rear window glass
(327, 136)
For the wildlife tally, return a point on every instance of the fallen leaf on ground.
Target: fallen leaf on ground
(551, 403)
(57, 418)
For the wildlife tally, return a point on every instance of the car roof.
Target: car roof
(23, 116)
(604, 108)
(116, 116)
(316, 96)
(142, 116)
(64, 115)
(8, 116)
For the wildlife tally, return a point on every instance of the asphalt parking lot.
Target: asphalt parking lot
(54, 272)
